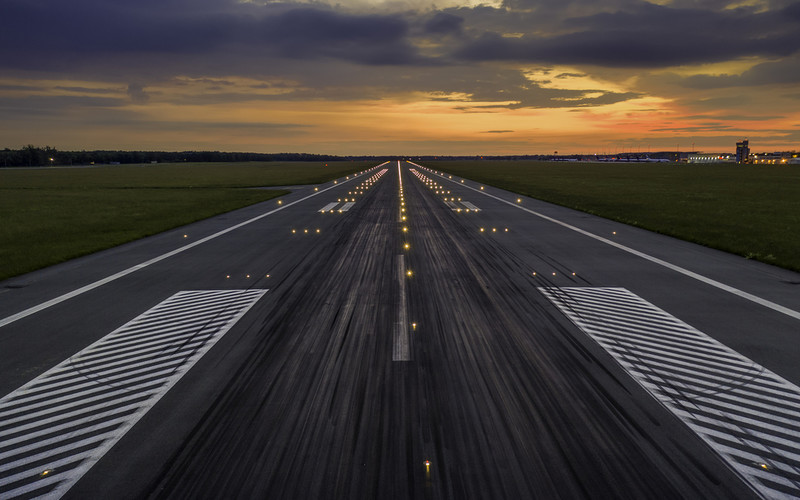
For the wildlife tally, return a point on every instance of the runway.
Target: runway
(401, 333)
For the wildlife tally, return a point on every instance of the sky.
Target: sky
(401, 77)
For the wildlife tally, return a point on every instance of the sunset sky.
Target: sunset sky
(400, 76)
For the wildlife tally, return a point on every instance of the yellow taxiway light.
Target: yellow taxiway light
(305, 231)
(506, 230)
(519, 200)
(280, 202)
(317, 231)
(481, 228)
(481, 188)
(45, 472)
(494, 229)
(403, 218)
(409, 273)
(413, 326)
(316, 189)
(405, 229)
(406, 246)
(534, 273)
(227, 276)
(185, 235)
(294, 231)
(247, 276)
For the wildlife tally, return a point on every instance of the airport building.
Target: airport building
(742, 151)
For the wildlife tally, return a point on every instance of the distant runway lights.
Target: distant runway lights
(406, 246)
(519, 200)
(46, 472)
(267, 276)
(409, 273)
(317, 231)
(506, 230)
(481, 188)
(294, 231)
(494, 229)
(413, 326)
(227, 276)
(316, 189)
(405, 229)
(305, 231)
(481, 229)
(614, 232)
(185, 235)
(247, 276)
(533, 274)
(280, 202)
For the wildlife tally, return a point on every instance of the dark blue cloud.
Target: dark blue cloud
(46, 34)
(646, 35)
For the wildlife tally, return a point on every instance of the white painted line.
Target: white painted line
(699, 277)
(91, 286)
(718, 405)
(401, 349)
(347, 206)
(328, 207)
(30, 436)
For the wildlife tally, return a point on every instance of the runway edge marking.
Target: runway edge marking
(745, 413)
(699, 277)
(57, 426)
(91, 286)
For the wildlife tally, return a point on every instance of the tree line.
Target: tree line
(36, 156)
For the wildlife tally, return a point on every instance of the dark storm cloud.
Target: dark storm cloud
(648, 36)
(786, 71)
(46, 34)
(443, 23)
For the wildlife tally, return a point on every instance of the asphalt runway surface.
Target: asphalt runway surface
(486, 346)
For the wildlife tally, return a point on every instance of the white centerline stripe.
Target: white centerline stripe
(699, 277)
(116, 276)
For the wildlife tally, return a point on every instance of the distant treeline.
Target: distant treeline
(35, 156)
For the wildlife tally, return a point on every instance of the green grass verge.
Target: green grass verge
(752, 211)
(52, 215)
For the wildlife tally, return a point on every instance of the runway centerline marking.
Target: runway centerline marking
(699, 277)
(401, 349)
(91, 286)
(57, 426)
(746, 414)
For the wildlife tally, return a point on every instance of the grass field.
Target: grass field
(753, 211)
(52, 215)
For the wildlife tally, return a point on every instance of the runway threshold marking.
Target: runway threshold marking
(470, 206)
(91, 286)
(56, 427)
(347, 206)
(329, 206)
(749, 415)
(699, 277)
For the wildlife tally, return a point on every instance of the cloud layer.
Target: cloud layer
(622, 58)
